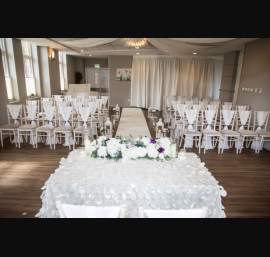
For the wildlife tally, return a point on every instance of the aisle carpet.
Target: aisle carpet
(132, 122)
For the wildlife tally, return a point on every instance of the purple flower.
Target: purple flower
(161, 150)
(107, 139)
(153, 141)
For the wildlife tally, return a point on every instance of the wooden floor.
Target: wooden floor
(23, 172)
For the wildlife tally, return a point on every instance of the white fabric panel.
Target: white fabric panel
(153, 77)
(14, 111)
(243, 115)
(88, 42)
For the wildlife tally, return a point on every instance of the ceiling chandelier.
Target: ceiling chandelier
(136, 42)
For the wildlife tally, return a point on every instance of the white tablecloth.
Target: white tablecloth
(173, 184)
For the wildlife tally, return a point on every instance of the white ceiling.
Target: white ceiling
(103, 47)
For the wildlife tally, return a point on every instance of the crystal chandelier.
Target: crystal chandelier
(136, 42)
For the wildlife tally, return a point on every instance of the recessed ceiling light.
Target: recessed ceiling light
(82, 50)
(194, 53)
(137, 53)
(90, 54)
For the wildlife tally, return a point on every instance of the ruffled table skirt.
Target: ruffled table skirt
(174, 184)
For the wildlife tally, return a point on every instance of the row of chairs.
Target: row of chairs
(208, 129)
(53, 122)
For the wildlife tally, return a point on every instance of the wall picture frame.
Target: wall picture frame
(123, 74)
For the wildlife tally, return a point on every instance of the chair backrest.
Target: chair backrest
(226, 107)
(181, 213)
(260, 120)
(242, 107)
(227, 120)
(212, 107)
(14, 113)
(243, 120)
(85, 115)
(57, 97)
(48, 114)
(189, 104)
(82, 211)
(65, 115)
(31, 114)
(209, 119)
(190, 119)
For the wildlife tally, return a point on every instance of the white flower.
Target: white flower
(146, 141)
(112, 150)
(161, 156)
(141, 152)
(100, 139)
(153, 153)
(94, 142)
(102, 151)
(127, 155)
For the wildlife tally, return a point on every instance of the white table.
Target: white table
(170, 184)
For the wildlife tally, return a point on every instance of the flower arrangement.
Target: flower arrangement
(129, 149)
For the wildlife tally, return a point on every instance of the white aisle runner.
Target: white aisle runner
(132, 122)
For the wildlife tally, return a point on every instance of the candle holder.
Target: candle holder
(159, 128)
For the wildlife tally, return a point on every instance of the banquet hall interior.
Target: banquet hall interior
(140, 126)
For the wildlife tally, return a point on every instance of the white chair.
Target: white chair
(48, 124)
(83, 211)
(83, 129)
(181, 213)
(245, 130)
(190, 131)
(31, 122)
(65, 125)
(260, 126)
(227, 129)
(14, 113)
(210, 135)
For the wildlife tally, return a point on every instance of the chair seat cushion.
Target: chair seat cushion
(263, 133)
(9, 126)
(230, 133)
(27, 127)
(211, 132)
(63, 128)
(191, 133)
(245, 132)
(45, 128)
(81, 130)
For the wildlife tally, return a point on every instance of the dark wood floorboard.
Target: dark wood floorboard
(23, 172)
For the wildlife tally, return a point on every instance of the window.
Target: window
(6, 69)
(28, 68)
(61, 69)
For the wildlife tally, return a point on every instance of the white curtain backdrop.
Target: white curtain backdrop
(153, 77)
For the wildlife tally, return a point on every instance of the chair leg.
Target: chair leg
(32, 136)
(260, 146)
(199, 144)
(218, 145)
(69, 136)
(256, 149)
(36, 139)
(15, 138)
(237, 150)
(224, 140)
(50, 139)
(205, 143)
(242, 144)
(54, 141)
(19, 142)
(74, 140)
